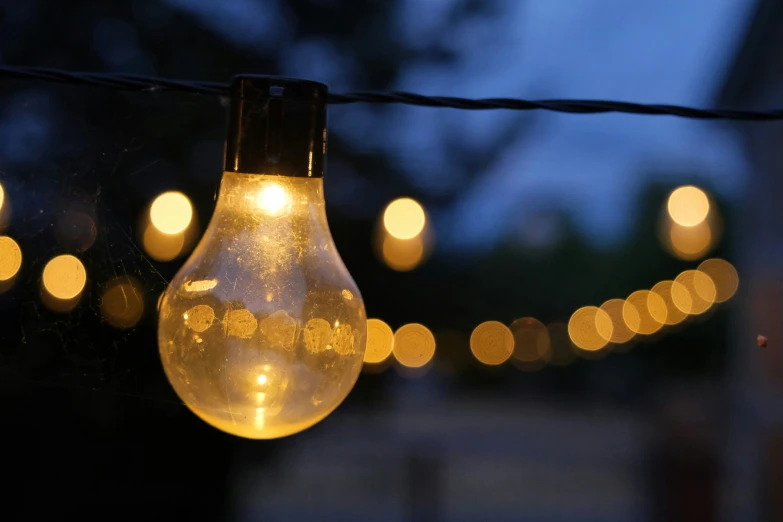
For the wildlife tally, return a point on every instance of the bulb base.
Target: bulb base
(276, 126)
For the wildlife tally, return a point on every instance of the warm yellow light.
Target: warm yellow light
(665, 290)
(64, 277)
(688, 205)
(695, 293)
(10, 258)
(404, 218)
(492, 343)
(265, 293)
(414, 345)
(691, 242)
(590, 328)
(160, 246)
(380, 341)
(402, 255)
(122, 303)
(620, 332)
(171, 212)
(644, 312)
(2, 196)
(723, 275)
(532, 345)
(273, 199)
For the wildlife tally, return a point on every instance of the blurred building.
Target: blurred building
(755, 456)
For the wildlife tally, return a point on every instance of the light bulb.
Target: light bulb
(262, 332)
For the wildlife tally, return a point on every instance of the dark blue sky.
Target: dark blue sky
(657, 51)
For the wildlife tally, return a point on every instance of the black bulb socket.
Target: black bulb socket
(276, 126)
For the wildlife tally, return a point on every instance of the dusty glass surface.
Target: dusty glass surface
(262, 331)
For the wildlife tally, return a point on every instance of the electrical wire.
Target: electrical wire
(137, 83)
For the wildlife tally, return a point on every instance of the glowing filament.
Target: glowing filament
(272, 199)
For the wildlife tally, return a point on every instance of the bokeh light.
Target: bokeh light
(402, 255)
(122, 303)
(620, 332)
(171, 212)
(63, 281)
(695, 293)
(492, 343)
(532, 345)
(380, 341)
(10, 258)
(665, 290)
(75, 230)
(590, 328)
(644, 312)
(724, 277)
(161, 246)
(404, 218)
(2, 196)
(563, 351)
(692, 242)
(414, 345)
(688, 205)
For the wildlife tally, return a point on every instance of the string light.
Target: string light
(262, 332)
(620, 333)
(269, 227)
(139, 83)
(590, 328)
(724, 277)
(404, 218)
(688, 206)
(532, 344)
(63, 281)
(380, 341)
(414, 345)
(171, 212)
(10, 262)
(122, 303)
(644, 312)
(492, 343)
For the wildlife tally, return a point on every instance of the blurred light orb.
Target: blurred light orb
(414, 345)
(75, 231)
(688, 205)
(644, 312)
(532, 344)
(2, 196)
(691, 242)
(10, 258)
(402, 255)
(724, 277)
(161, 246)
(562, 349)
(590, 328)
(171, 212)
(64, 277)
(666, 290)
(380, 341)
(620, 332)
(122, 303)
(695, 293)
(404, 218)
(492, 343)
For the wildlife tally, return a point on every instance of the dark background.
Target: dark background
(91, 428)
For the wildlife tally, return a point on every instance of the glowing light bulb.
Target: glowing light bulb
(262, 332)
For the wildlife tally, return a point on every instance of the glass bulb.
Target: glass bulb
(262, 332)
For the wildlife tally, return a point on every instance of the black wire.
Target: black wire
(131, 82)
